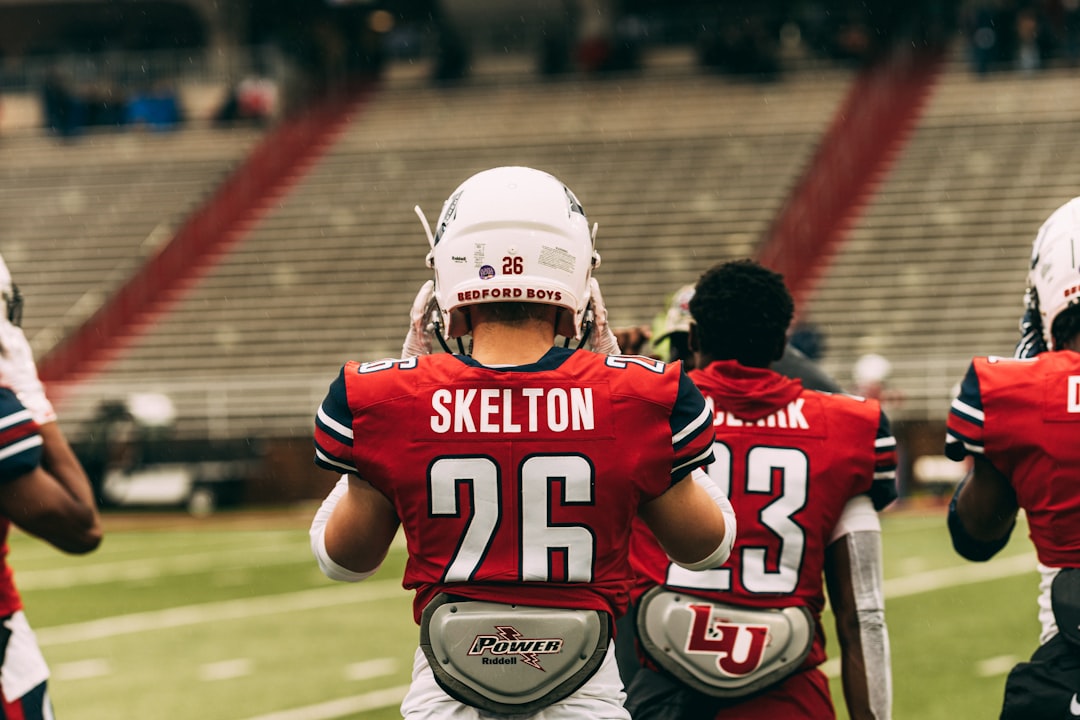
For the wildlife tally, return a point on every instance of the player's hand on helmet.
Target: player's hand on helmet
(1032, 342)
(418, 339)
(601, 339)
(18, 372)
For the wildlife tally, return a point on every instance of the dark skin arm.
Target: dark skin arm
(54, 501)
(842, 600)
(986, 504)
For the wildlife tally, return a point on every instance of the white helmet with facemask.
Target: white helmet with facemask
(513, 234)
(1055, 266)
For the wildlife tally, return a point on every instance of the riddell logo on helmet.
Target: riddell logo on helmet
(510, 294)
(1074, 290)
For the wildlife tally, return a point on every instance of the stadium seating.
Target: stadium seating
(934, 271)
(79, 216)
(679, 169)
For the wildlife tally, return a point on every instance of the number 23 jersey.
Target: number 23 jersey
(517, 485)
(789, 459)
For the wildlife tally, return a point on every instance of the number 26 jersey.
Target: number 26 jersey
(517, 485)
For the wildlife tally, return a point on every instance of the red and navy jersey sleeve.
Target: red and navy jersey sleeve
(964, 428)
(333, 429)
(20, 440)
(691, 430)
(883, 489)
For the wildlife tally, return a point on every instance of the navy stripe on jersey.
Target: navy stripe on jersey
(333, 429)
(20, 440)
(966, 417)
(883, 489)
(691, 429)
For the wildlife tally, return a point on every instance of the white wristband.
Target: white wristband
(329, 568)
(326, 563)
(720, 555)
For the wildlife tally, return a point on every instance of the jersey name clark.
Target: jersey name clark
(790, 417)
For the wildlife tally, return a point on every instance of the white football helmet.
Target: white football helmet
(678, 317)
(9, 293)
(512, 234)
(1055, 265)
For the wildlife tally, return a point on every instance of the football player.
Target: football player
(793, 363)
(675, 335)
(1019, 420)
(44, 491)
(515, 470)
(810, 470)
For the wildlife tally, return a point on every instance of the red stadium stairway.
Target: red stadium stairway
(280, 160)
(867, 133)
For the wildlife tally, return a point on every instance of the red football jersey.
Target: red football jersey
(517, 484)
(1024, 417)
(789, 459)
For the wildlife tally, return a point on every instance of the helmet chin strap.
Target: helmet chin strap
(442, 340)
(437, 326)
(587, 325)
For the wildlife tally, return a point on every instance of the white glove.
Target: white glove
(601, 339)
(18, 372)
(418, 339)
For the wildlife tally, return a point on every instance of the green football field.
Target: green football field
(228, 618)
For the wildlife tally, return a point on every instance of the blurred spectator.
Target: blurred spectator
(1029, 50)
(56, 102)
(808, 339)
(673, 340)
(870, 375)
(157, 109)
(253, 100)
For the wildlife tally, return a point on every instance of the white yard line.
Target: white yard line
(932, 580)
(371, 669)
(342, 707)
(82, 669)
(999, 665)
(169, 565)
(226, 669)
(385, 589)
(215, 612)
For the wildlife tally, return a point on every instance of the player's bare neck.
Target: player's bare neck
(1073, 343)
(518, 344)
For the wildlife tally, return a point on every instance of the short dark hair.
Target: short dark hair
(1066, 325)
(742, 311)
(513, 313)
